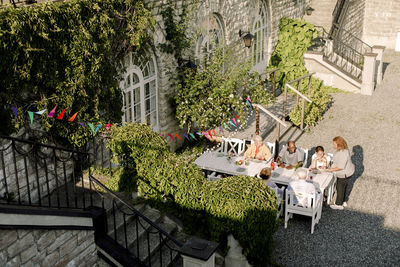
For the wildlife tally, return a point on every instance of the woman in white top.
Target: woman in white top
(320, 160)
(344, 168)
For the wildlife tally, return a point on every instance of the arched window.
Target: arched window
(139, 88)
(212, 34)
(259, 31)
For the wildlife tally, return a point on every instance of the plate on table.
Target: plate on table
(275, 174)
(220, 154)
(240, 169)
(256, 160)
(315, 171)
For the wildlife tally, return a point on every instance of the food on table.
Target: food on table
(239, 162)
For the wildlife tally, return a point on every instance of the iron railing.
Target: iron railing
(135, 232)
(39, 175)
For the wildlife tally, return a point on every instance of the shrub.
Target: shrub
(294, 38)
(241, 205)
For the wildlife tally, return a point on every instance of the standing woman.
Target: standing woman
(344, 168)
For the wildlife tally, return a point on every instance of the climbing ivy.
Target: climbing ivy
(68, 54)
(294, 38)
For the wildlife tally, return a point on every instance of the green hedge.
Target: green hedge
(242, 206)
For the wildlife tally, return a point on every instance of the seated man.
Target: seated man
(302, 189)
(258, 150)
(291, 156)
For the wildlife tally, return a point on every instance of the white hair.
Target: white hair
(258, 138)
(302, 175)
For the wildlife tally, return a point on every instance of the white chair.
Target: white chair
(279, 198)
(271, 147)
(234, 145)
(305, 157)
(313, 207)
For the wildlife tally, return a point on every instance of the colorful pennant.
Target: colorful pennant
(41, 112)
(30, 116)
(51, 114)
(15, 111)
(170, 135)
(73, 117)
(234, 121)
(221, 130)
(209, 133)
(192, 135)
(61, 115)
(187, 137)
(177, 135)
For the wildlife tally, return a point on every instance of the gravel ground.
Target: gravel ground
(367, 232)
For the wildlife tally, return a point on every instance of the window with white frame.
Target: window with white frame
(258, 49)
(212, 34)
(139, 87)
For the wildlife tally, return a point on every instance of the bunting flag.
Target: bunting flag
(237, 116)
(15, 111)
(214, 133)
(170, 135)
(81, 123)
(232, 124)
(61, 115)
(248, 98)
(177, 135)
(91, 127)
(73, 117)
(209, 133)
(41, 112)
(205, 134)
(97, 128)
(221, 130)
(249, 104)
(187, 137)
(227, 127)
(234, 121)
(199, 133)
(30, 116)
(51, 114)
(108, 125)
(192, 135)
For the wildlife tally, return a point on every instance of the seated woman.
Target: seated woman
(320, 160)
(265, 174)
(258, 150)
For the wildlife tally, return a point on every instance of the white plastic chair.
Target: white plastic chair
(237, 146)
(305, 157)
(312, 209)
(271, 147)
(279, 198)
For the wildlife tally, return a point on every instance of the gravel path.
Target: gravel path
(367, 232)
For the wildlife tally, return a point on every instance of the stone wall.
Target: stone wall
(382, 23)
(24, 167)
(354, 19)
(235, 15)
(47, 248)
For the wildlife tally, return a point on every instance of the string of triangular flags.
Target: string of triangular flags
(209, 133)
(61, 116)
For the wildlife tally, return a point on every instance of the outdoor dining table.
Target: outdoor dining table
(219, 162)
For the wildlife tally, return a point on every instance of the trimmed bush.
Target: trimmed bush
(242, 206)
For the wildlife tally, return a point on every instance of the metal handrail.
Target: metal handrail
(297, 92)
(271, 115)
(336, 26)
(114, 196)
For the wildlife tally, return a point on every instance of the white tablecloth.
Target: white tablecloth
(217, 161)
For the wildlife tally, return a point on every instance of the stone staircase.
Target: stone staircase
(268, 124)
(322, 14)
(141, 238)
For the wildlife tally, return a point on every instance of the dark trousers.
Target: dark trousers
(341, 186)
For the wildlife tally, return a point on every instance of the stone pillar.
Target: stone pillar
(235, 258)
(379, 63)
(368, 74)
(197, 252)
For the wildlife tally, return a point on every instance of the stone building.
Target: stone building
(147, 86)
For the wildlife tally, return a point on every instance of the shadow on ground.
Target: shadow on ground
(342, 238)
